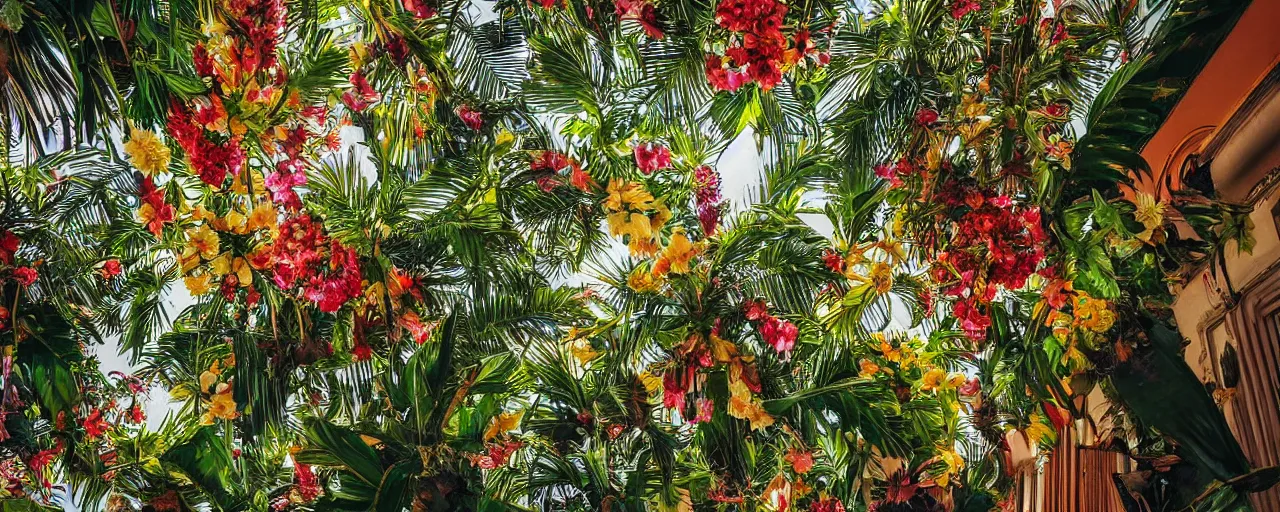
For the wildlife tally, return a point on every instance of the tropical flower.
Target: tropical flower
(147, 153)
(25, 276)
(198, 285)
(582, 350)
(1149, 212)
(652, 157)
(926, 116)
(202, 242)
(221, 405)
(95, 425)
(933, 379)
(868, 369)
(679, 252)
(471, 117)
(502, 423)
(961, 8)
(801, 460)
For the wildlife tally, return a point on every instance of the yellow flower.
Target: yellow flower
(201, 241)
(503, 137)
(869, 369)
(200, 213)
(209, 377)
(233, 222)
(198, 285)
(933, 379)
(213, 28)
(240, 184)
(972, 106)
(722, 350)
(954, 463)
(643, 247)
(1093, 314)
(1150, 213)
(893, 248)
(890, 353)
(627, 195)
(660, 218)
(652, 383)
(1037, 431)
(642, 281)
(955, 380)
(742, 404)
(502, 423)
(147, 153)
(222, 405)
(679, 252)
(263, 216)
(882, 277)
(224, 264)
(582, 350)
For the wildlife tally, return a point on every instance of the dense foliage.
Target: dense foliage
(438, 255)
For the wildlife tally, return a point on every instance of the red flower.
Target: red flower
(926, 116)
(25, 275)
(970, 388)
(580, 179)
(110, 269)
(363, 94)
(361, 351)
(1057, 416)
(972, 320)
(94, 425)
(136, 415)
(828, 504)
(779, 334)
(167, 502)
(652, 157)
(547, 4)
(471, 118)
(281, 184)
(721, 77)
(709, 218)
(641, 11)
(801, 461)
(419, 8)
(307, 484)
(833, 260)
(889, 173)
(756, 310)
(8, 245)
(961, 8)
(1055, 110)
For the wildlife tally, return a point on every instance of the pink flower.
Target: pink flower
(970, 388)
(470, 117)
(961, 8)
(721, 77)
(362, 95)
(419, 8)
(652, 157)
(25, 275)
(780, 334)
(705, 409)
(972, 320)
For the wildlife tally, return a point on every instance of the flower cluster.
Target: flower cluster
(634, 214)
(706, 195)
(205, 136)
(759, 51)
(996, 244)
(154, 212)
(652, 157)
(776, 332)
(548, 168)
(323, 271)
